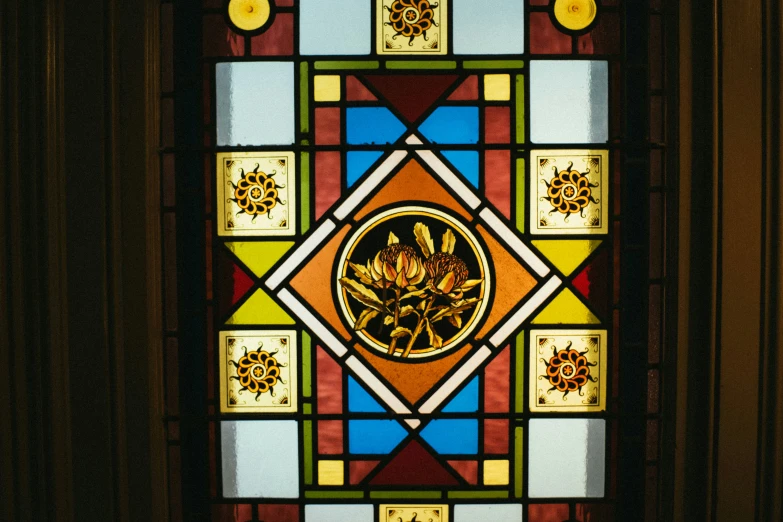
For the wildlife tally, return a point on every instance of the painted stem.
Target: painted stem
(393, 343)
(419, 327)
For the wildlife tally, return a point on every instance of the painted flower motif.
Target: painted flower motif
(568, 370)
(411, 18)
(446, 271)
(258, 372)
(570, 191)
(256, 193)
(396, 265)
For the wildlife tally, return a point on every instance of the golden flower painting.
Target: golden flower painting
(413, 299)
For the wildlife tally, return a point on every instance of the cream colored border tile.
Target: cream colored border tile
(592, 397)
(424, 512)
(281, 218)
(593, 218)
(437, 35)
(283, 345)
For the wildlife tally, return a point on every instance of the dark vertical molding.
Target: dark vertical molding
(769, 489)
(191, 264)
(634, 269)
(80, 385)
(694, 386)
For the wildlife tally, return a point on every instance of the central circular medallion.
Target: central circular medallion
(413, 282)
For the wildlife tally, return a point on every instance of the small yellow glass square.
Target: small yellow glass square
(327, 88)
(331, 473)
(497, 87)
(496, 473)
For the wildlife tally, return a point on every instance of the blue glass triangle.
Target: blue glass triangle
(374, 437)
(452, 436)
(466, 401)
(372, 126)
(452, 125)
(465, 161)
(361, 401)
(359, 162)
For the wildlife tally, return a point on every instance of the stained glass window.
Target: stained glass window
(411, 217)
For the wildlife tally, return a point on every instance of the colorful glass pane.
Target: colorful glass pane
(411, 284)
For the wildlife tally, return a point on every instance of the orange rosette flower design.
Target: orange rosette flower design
(256, 193)
(412, 18)
(568, 370)
(258, 372)
(570, 191)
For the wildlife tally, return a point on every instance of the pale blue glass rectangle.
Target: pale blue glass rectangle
(489, 26)
(260, 459)
(567, 458)
(255, 103)
(339, 513)
(335, 27)
(569, 101)
(488, 513)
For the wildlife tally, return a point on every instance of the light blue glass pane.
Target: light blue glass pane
(330, 27)
(255, 103)
(342, 513)
(374, 437)
(452, 436)
(452, 125)
(569, 101)
(359, 162)
(580, 468)
(260, 459)
(373, 125)
(466, 162)
(493, 513)
(466, 401)
(489, 26)
(361, 401)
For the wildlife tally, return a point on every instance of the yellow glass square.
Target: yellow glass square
(496, 473)
(331, 472)
(327, 88)
(497, 87)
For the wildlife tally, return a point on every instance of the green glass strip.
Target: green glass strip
(519, 393)
(304, 97)
(405, 494)
(305, 143)
(520, 103)
(521, 194)
(493, 64)
(305, 198)
(337, 66)
(334, 494)
(518, 441)
(404, 64)
(307, 408)
(478, 494)
(308, 452)
(307, 361)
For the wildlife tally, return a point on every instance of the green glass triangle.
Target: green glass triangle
(260, 256)
(567, 254)
(566, 309)
(260, 309)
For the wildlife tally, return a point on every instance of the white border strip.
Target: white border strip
(413, 140)
(313, 324)
(523, 313)
(455, 380)
(451, 179)
(514, 242)
(300, 254)
(376, 385)
(363, 190)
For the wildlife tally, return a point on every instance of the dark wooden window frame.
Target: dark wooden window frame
(80, 350)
